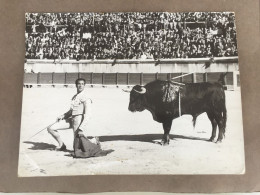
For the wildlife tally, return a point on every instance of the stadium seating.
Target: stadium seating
(130, 35)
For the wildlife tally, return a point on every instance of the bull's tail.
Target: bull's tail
(224, 120)
(224, 113)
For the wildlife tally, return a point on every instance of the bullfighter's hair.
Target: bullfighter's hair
(80, 79)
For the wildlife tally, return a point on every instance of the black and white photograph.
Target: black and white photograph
(131, 93)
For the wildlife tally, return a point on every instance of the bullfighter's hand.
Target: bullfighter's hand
(60, 118)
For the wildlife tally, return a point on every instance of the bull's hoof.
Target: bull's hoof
(211, 139)
(165, 143)
(218, 141)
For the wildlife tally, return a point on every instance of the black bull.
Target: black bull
(162, 99)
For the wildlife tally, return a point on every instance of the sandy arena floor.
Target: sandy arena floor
(132, 136)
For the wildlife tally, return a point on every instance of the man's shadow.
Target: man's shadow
(42, 146)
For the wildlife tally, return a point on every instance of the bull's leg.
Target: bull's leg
(220, 122)
(166, 127)
(194, 119)
(214, 126)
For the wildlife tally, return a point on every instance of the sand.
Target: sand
(132, 136)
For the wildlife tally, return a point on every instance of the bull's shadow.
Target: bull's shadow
(42, 146)
(151, 138)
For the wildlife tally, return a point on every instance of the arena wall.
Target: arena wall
(220, 64)
(130, 72)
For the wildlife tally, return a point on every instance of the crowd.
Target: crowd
(130, 35)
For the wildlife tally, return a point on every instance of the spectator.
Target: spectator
(130, 35)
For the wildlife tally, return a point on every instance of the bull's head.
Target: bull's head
(137, 99)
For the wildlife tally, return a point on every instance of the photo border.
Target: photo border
(11, 76)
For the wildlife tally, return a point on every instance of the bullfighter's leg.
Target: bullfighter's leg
(214, 126)
(166, 127)
(53, 130)
(220, 122)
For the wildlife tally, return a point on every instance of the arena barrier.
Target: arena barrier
(130, 72)
(119, 79)
(218, 64)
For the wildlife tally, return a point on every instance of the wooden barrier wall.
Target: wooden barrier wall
(221, 64)
(119, 78)
(129, 72)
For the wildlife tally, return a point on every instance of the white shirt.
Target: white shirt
(81, 104)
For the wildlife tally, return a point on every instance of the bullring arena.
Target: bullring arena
(115, 51)
(132, 136)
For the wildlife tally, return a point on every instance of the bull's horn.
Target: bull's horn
(126, 90)
(143, 90)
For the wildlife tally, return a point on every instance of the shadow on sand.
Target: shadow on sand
(150, 138)
(42, 146)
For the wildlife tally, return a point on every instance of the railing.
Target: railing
(233, 59)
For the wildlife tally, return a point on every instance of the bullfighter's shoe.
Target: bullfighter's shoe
(62, 148)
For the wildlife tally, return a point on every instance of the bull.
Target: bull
(167, 100)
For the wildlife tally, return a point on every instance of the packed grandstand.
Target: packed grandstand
(130, 35)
